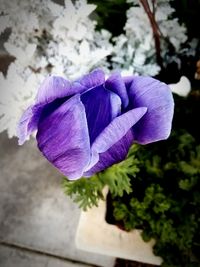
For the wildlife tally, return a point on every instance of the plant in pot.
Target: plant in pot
(156, 189)
(87, 125)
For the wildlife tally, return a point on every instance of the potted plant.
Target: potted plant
(156, 190)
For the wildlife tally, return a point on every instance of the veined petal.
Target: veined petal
(30, 118)
(115, 132)
(28, 122)
(89, 81)
(99, 109)
(113, 155)
(63, 138)
(52, 88)
(116, 84)
(157, 97)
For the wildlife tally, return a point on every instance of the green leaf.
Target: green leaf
(86, 192)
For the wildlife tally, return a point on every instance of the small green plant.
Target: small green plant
(165, 199)
(156, 189)
(88, 191)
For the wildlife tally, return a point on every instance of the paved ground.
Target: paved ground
(37, 221)
(10, 257)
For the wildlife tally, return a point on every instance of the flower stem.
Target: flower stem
(155, 28)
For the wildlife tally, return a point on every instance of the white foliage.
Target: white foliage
(135, 50)
(72, 20)
(23, 55)
(46, 37)
(62, 39)
(17, 92)
(4, 22)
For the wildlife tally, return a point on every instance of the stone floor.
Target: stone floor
(37, 221)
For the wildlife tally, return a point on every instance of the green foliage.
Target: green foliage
(155, 189)
(88, 191)
(165, 201)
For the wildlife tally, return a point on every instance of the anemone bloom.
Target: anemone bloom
(87, 125)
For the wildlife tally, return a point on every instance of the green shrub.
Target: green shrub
(165, 199)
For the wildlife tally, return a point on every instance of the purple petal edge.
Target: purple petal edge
(89, 81)
(116, 84)
(157, 97)
(53, 87)
(28, 122)
(114, 132)
(63, 138)
(113, 155)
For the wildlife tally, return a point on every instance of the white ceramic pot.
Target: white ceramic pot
(95, 235)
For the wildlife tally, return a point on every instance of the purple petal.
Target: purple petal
(55, 87)
(114, 132)
(52, 88)
(99, 109)
(89, 81)
(128, 81)
(63, 138)
(28, 122)
(116, 84)
(113, 155)
(157, 97)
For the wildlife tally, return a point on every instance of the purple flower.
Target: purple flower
(87, 125)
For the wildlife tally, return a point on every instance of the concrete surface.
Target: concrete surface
(34, 212)
(11, 257)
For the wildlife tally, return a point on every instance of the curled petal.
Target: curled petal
(28, 122)
(113, 155)
(55, 87)
(100, 106)
(157, 97)
(30, 118)
(128, 81)
(116, 84)
(89, 81)
(116, 104)
(63, 138)
(115, 132)
(52, 88)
